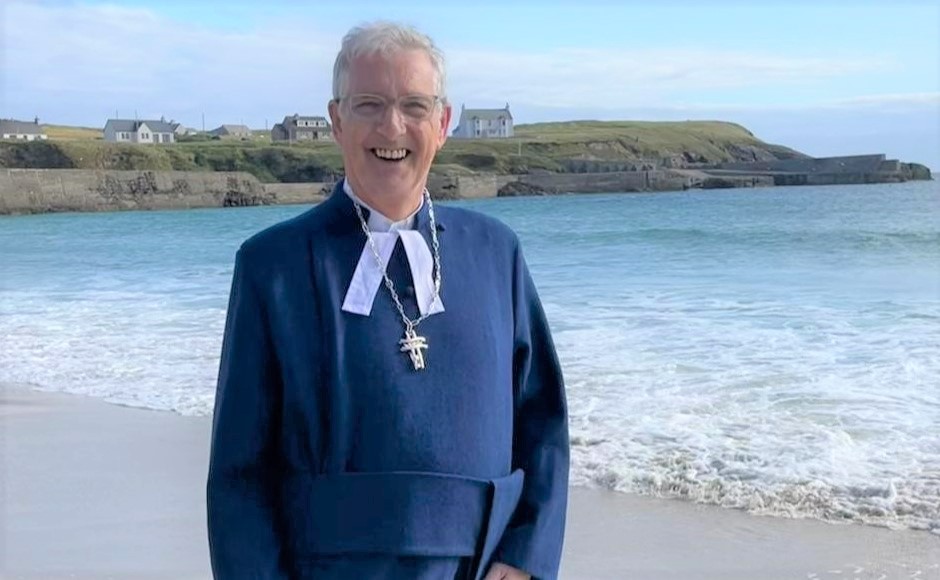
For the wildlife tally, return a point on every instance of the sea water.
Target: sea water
(776, 350)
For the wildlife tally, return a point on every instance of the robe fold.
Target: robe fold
(332, 457)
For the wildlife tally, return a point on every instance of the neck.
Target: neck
(394, 208)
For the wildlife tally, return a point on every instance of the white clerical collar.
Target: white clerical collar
(377, 221)
(368, 276)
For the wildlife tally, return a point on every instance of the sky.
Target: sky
(826, 77)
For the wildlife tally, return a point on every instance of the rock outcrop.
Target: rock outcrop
(50, 190)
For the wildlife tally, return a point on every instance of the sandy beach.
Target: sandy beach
(95, 490)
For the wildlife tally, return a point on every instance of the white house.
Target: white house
(484, 123)
(133, 131)
(21, 130)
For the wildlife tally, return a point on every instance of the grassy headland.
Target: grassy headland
(569, 147)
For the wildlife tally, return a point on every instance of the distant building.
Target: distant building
(231, 131)
(180, 131)
(21, 130)
(484, 123)
(302, 128)
(133, 131)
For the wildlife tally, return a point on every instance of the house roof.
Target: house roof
(295, 117)
(13, 127)
(132, 125)
(231, 129)
(485, 114)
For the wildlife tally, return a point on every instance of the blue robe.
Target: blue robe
(333, 458)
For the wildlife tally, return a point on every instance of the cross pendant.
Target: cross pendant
(412, 344)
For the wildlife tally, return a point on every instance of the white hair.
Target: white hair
(385, 38)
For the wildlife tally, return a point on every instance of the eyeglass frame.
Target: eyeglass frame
(437, 100)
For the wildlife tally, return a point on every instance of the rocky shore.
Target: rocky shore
(24, 191)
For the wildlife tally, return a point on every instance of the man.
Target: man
(386, 409)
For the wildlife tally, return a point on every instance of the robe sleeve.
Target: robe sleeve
(243, 530)
(533, 540)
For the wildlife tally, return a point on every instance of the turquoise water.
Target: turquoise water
(774, 350)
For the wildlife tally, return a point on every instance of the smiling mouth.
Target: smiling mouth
(393, 155)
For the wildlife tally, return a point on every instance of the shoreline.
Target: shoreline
(93, 490)
(39, 191)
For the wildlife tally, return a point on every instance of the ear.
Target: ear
(336, 120)
(446, 112)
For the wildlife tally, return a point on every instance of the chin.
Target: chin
(393, 180)
(390, 187)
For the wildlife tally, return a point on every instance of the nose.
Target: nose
(392, 124)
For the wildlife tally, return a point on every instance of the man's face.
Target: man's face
(388, 156)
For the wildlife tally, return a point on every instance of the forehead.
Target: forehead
(402, 72)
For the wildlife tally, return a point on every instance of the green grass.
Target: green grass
(638, 139)
(569, 146)
(657, 132)
(66, 133)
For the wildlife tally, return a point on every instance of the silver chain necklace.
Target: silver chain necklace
(412, 343)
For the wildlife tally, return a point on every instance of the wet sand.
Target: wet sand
(94, 490)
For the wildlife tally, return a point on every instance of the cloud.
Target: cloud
(98, 58)
(101, 57)
(920, 105)
(889, 102)
(618, 78)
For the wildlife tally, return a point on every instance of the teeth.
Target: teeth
(394, 154)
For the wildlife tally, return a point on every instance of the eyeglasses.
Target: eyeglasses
(373, 107)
